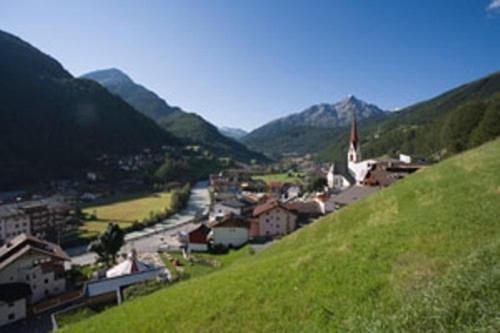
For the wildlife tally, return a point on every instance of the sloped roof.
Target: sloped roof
(231, 221)
(340, 168)
(234, 203)
(305, 207)
(129, 266)
(353, 194)
(268, 205)
(199, 234)
(23, 243)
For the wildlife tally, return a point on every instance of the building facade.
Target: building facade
(230, 232)
(46, 218)
(272, 219)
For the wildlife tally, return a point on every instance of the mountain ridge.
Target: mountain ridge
(186, 126)
(233, 132)
(314, 121)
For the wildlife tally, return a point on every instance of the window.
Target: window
(27, 277)
(10, 305)
(46, 281)
(12, 316)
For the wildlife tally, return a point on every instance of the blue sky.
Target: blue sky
(243, 63)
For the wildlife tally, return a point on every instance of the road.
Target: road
(151, 238)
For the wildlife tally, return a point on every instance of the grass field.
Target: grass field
(124, 211)
(280, 177)
(420, 256)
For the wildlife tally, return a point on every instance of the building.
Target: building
(46, 218)
(284, 191)
(339, 178)
(198, 239)
(290, 191)
(384, 173)
(13, 301)
(130, 265)
(38, 263)
(306, 211)
(231, 231)
(30, 270)
(326, 203)
(272, 219)
(13, 222)
(371, 172)
(240, 206)
(132, 270)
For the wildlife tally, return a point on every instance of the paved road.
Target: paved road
(151, 238)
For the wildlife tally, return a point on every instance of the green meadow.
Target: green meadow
(420, 256)
(124, 211)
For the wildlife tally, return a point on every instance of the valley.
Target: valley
(206, 167)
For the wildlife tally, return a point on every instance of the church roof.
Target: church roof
(341, 169)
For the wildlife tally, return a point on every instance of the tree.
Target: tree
(108, 243)
(489, 127)
(317, 183)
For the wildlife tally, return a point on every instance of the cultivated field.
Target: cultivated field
(125, 211)
(280, 177)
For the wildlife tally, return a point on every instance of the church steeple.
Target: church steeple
(354, 154)
(354, 130)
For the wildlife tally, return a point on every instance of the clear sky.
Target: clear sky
(243, 63)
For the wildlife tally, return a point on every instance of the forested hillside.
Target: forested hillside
(459, 119)
(52, 125)
(188, 127)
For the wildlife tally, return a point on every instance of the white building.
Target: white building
(37, 264)
(238, 206)
(339, 178)
(230, 232)
(326, 203)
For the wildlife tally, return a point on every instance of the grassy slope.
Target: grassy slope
(420, 255)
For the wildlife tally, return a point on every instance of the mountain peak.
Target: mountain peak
(111, 75)
(351, 99)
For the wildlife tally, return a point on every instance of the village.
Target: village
(247, 211)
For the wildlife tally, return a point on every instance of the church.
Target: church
(370, 172)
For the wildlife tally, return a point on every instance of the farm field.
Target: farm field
(280, 177)
(124, 212)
